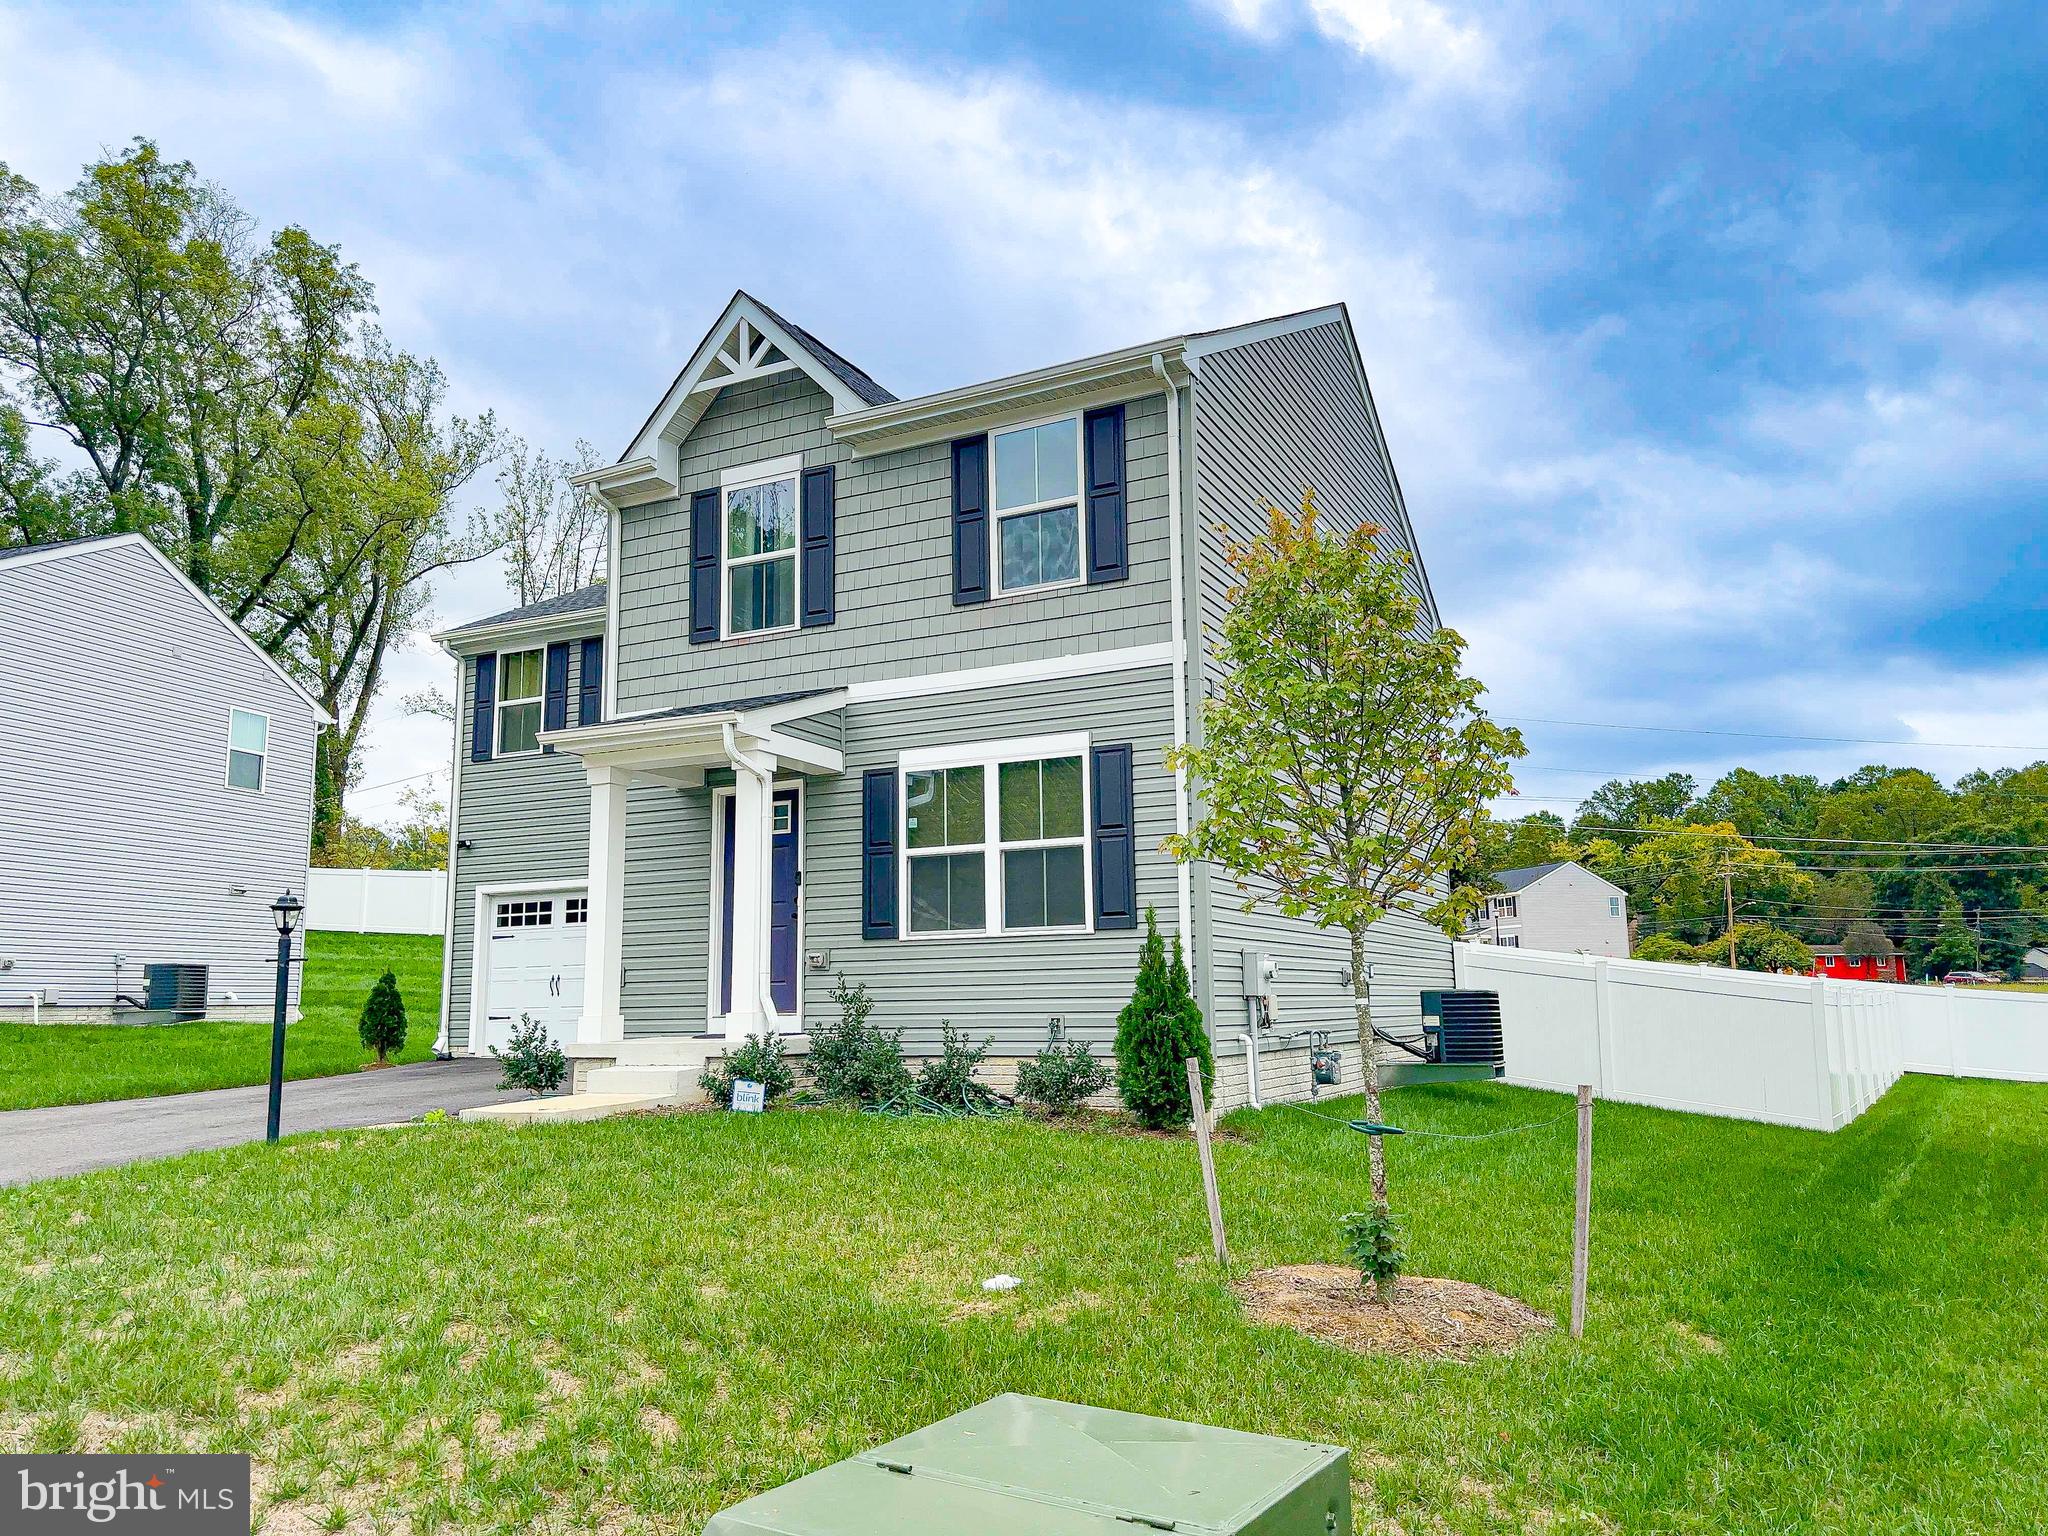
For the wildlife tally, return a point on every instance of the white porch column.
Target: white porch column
(752, 798)
(604, 951)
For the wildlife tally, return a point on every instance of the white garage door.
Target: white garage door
(534, 955)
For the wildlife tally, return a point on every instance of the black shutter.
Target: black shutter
(1109, 556)
(483, 715)
(590, 683)
(820, 606)
(554, 708)
(1113, 813)
(970, 520)
(878, 854)
(703, 567)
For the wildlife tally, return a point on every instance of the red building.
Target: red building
(1832, 961)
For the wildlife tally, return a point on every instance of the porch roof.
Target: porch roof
(689, 738)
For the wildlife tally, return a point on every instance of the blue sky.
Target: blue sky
(1712, 342)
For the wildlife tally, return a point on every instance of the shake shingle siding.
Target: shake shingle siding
(118, 833)
(896, 614)
(1272, 417)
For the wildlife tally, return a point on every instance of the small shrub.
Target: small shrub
(434, 1117)
(856, 1060)
(532, 1061)
(758, 1059)
(1374, 1243)
(1158, 1030)
(382, 1025)
(1061, 1076)
(948, 1078)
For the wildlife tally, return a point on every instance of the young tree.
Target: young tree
(553, 531)
(382, 1025)
(1345, 764)
(1156, 1033)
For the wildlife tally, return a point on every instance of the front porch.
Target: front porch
(753, 860)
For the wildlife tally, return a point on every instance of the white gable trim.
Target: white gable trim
(741, 346)
(138, 541)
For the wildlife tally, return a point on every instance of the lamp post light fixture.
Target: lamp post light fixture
(284, 912)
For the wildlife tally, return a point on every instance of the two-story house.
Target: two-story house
(1560, 906)
(156, 794)
(883, 688)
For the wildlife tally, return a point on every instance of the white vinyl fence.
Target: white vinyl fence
(1779, 1048)
(1789, 1049)
(377, 900)
(1972, 1032)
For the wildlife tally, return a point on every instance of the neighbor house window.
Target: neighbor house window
(519, 675)
(997, 843)
(1504, 906)
(1037, 495)
(1614, 906)
(248, 748)
(760, 551)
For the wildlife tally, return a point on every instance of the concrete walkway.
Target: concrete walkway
(73, 1138)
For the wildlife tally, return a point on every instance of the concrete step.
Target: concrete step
(581, 1106)
(669, 1084)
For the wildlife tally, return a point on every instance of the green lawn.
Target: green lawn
(84, 1063)
(624, 1326)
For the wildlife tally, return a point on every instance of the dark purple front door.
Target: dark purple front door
(782, 902)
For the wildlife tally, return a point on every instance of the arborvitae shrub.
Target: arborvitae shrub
(382, 1026)
(1158, 1030)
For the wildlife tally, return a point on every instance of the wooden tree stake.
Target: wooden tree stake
(1208, 1161)
(1582, 1215)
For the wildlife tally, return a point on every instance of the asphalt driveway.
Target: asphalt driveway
(74, 1138)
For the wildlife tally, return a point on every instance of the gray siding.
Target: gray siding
(526, 818)
(896, 615)
(118, 833)
(1004, 986)
(1566, 911)
(1272, 417)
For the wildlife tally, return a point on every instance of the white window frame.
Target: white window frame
(501, 703)
(744, 478)
(227, 767)
(1080, 500)
(989, 756)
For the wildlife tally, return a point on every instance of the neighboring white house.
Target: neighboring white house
(156, 794)
(1560, 907)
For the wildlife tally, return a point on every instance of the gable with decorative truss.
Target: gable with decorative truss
(749, 342)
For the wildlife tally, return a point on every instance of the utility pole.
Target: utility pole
(1728, 891)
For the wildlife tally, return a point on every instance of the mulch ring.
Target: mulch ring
(1430, 1318)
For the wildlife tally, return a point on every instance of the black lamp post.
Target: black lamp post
(285, 913)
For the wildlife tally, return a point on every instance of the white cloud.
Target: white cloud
(1416, 39)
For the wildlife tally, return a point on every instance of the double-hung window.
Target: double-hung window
(248, 748)
(996, 837)
(760, 549)
(1037, 499)
(519, 690)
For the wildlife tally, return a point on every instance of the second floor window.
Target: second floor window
(248, 748)
(519, 689)
(1037, 497)
(760, 555)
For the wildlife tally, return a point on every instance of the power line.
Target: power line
(1850, 741)
(1872, 843)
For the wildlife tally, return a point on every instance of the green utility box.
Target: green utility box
(1028, 1466)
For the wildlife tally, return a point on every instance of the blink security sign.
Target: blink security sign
(124, 1495)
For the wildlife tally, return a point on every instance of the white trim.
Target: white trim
(920, 685)
(1199, 347)
(135, 540)
(479, 935)
(227, 770)
(578, 624)
(441, 1047)
(720, 799)
(499, 703)
(1183, 874)
(989, 757)
(613, 574)
(740, 476)
(997, 514)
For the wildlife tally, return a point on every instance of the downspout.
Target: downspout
(1177, 615)
(1250, 1037)
(441, 1049)
(765, 778)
